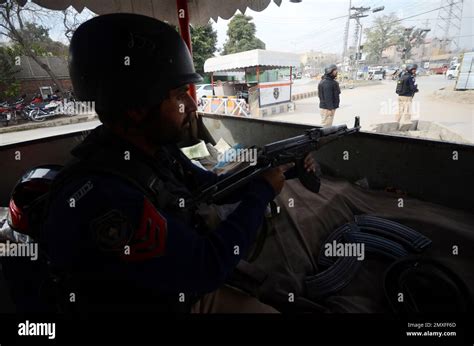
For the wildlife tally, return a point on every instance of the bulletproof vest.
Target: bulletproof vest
(402, 83)
(161, 178)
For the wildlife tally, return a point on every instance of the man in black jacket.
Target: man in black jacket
(328, 91)
(406, 89)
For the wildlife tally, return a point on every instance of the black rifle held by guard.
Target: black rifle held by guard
(293, 149)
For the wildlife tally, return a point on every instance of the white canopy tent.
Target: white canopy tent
(251, 58)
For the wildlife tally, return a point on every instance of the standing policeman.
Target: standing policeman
(328, 91)
(119, 233)
(406, 89)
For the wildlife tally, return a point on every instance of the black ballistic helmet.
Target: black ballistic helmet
(411, 67)
(330, 68)
(126, 60)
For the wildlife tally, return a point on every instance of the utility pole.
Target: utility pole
(346, 32)
(406, 40)
(359, 46)
(357, 15)
(426, 25)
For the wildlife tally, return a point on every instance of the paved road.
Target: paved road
(378, 104)
(304, 85)
(20, 136)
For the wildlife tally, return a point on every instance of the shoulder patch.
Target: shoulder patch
(149, 239)
(112, 231)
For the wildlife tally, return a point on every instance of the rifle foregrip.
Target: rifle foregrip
(310, 180)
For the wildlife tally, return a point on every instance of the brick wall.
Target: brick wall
(31, 87)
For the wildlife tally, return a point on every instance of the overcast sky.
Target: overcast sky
(300, 27)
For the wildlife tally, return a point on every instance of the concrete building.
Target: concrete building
(314, 61)
(432, 47)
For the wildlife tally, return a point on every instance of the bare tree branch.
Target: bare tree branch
(18, 15)
(70, 24)
(12, 14)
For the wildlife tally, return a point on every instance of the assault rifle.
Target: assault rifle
(293, 149)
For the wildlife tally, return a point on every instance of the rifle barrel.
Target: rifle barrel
(291, 146)
(326, 131)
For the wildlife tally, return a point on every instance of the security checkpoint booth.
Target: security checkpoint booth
(264, 90)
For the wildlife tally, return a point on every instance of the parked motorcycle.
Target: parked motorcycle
(5, 115)
(37, 110)
(8, 111)
(17, 108)
(50, 109)
(40, 112)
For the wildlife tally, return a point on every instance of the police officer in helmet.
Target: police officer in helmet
(328, 93)
(122, 245)
(406, 89)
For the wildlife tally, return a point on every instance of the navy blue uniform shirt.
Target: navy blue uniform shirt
(156, 249)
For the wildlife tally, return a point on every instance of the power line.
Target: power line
(357, 36)
(434, 18)
(321, 29)
(289, 20)
(408, 9)
(346, 31)
(323, 44)
(319, 44)
(286, 17)
(449, 19)
(420, 14)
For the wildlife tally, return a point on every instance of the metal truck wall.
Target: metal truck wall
(424, 169)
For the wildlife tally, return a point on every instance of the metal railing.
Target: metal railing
(224, 105)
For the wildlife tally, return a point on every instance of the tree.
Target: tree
(70, 22)
(385, 32)
(241, 35)
(73, 19)
(204, 40)
(7, 73)
(39, 41)
(29, 39)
